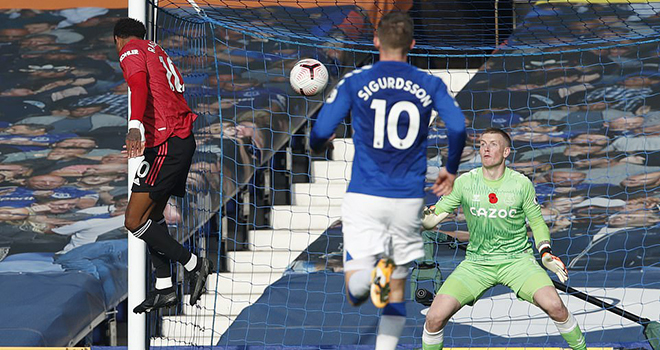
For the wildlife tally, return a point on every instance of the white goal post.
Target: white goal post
(137, 249)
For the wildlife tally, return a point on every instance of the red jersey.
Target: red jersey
(167, 113)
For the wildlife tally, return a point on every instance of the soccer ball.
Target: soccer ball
(308, 77)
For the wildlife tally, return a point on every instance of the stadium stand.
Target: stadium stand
(63, 261)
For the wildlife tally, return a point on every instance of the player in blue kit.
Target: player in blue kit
(391, 104)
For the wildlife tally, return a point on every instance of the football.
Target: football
(308, 77)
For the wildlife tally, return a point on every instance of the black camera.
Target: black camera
(424, 297)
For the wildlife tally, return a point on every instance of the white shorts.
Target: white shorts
(375, 226)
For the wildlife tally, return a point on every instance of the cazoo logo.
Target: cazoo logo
(493, 213)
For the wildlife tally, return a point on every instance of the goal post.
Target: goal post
(137, 248)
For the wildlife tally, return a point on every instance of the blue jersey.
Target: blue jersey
(391, 104)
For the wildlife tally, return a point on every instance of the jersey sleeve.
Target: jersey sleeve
(335, 109)
(450, 202)
(133, 61)
(137, 101)
(454, 119)
(532, 211)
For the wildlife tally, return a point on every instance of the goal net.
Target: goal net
(576, 84)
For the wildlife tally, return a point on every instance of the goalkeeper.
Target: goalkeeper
(496, 201)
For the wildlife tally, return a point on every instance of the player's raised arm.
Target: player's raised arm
(334, 110)
(541, 233)
(134, 66)
(454, 120)
(137, 85)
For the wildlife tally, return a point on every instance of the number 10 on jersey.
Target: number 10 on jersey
(380, 106)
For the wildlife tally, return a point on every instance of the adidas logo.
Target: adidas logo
(136, 181)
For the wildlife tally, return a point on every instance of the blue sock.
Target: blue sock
(355, 300)
(395, 309)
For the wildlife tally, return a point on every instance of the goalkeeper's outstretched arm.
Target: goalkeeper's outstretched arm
(447, 204)
(541, 233)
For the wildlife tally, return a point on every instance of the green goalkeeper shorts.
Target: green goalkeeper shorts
(471, 279)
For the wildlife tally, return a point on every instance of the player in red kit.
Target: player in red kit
(160, 128)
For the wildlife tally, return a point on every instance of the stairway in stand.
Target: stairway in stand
(315, 206)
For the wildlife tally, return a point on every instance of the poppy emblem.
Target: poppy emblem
(492, 198)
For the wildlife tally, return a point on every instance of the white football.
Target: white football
(308, 77)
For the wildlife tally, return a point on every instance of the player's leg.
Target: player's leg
(549, 301)
(464, 286)
(357, 276)
(138, 222)
(388, 287)
(364, 231)
(393, 318)
(182, 151)
(160, 262)
(157, 178)
(444, 306)
(531, 283)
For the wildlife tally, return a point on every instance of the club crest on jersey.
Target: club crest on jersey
(493, 213)
(509, 199)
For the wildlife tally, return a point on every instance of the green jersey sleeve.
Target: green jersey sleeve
(532, 211)
(450, 202)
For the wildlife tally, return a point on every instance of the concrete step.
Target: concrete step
(195, 327)
(331, 171)
(319, 194)
(259, 262)
(241, 283)
(303, 217)
(338, 182)
(189, 340)
(282, 240)
(228, 283)
(344, 150)
(224, 304)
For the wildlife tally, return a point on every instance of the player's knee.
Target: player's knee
(132, 222)
(439, 313)
(434, 321)
(556, 310)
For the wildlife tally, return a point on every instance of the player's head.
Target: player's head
(394, 35)
(494, 147)
(126, 29)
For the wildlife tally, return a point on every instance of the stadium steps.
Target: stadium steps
(250, 261)
(333, 171)
(193, 329)
(303, 217)
(319, 194)
(343, 150)
(282, 240)
(294, 227)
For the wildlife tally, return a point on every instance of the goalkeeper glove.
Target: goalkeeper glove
(430, 219)
(553, 263)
